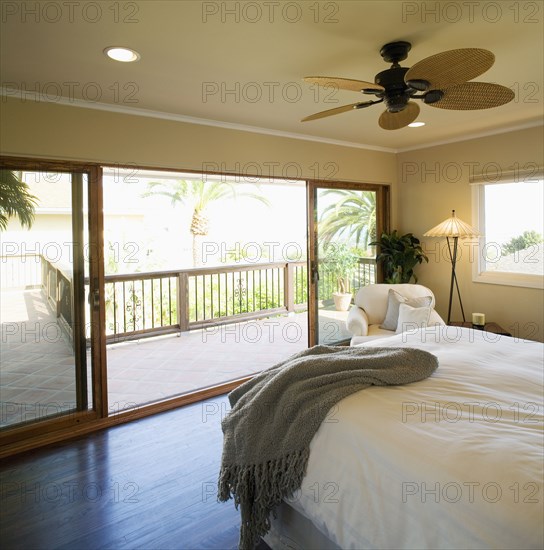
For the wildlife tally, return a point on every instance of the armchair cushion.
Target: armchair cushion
(357, 321)
(374, 298)
(394, 300)
(435, 319)
(412, 317)
(371, 309)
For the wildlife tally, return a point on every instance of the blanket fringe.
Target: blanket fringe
(258, 489)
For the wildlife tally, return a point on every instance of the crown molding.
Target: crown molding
(476, 135)
(127, 110)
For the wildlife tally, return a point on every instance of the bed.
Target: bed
(453, 461)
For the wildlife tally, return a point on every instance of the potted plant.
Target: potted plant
(399, 255)
(342, 263)
(342, 297)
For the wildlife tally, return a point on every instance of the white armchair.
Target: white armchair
(376, 310)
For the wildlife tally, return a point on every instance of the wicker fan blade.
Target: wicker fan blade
(394, 121)
(344, 83)
(474, 95)
(338, 110)
(450, 68)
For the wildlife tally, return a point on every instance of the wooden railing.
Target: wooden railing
(31, 271)
(162, 302)
(57, 284)
(364, 274)
(21, 271)
(152, 303)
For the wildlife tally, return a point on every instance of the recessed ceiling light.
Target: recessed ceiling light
(416, 124)
(126, 55)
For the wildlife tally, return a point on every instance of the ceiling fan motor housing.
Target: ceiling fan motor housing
(393, 52)
(396, 94)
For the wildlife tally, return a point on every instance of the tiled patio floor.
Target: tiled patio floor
(154, 369)
(37, 366)
(36, 362)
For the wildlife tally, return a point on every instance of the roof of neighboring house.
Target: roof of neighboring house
(529, 260)
(54, 193)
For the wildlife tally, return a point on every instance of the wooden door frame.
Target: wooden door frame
(382, 224)
(24, 437)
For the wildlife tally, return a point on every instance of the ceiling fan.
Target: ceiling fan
(440, 80)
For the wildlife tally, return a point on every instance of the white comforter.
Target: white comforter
(454, 461)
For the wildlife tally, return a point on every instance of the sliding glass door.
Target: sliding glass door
(344, 220)
(205, 281)
(123, 291)
(44, 316)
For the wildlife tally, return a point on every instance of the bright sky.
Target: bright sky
(512, 208)
(279, 228)
(153, 224)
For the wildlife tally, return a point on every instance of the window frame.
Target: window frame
(479, 273)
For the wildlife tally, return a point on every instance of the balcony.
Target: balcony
(168, 332)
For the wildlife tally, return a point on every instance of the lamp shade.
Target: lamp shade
(453, 227)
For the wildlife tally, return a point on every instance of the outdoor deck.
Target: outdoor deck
(37, 364)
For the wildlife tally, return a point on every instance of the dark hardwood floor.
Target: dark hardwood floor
(148, 484)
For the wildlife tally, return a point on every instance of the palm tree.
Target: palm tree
(200, 194)
(15, 199)
(353, 217)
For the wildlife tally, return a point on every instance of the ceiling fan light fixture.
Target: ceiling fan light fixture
(416, 124)
(119, 53)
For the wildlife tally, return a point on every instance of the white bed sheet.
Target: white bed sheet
(453, 461)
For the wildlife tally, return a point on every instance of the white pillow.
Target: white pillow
(394, 300)
(412, 317)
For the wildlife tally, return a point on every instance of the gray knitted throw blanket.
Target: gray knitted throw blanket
(275, 415)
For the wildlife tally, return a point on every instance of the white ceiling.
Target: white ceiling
(190, 47)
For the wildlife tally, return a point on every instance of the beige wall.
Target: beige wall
(50, 130)
(434, 181)
(420, 200)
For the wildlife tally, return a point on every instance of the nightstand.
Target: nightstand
(488, 327)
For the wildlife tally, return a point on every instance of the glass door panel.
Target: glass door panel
(345, 221)
(43, 313)
(205, 281)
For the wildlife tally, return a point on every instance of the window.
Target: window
(510, 217)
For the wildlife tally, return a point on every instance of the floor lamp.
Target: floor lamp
(453, 229)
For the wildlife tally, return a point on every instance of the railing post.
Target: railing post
(57, 292)
(183, 301)
(367, 271)
(289, 286)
